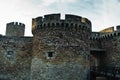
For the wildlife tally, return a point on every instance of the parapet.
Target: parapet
(15, 24)
(105, 34)
(54, 20)
(15, 29)
(95, 35)
(51, 17)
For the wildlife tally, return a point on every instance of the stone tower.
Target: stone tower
(60, 48)
(15, 53)
(15, 29)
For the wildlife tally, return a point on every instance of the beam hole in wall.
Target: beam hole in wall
(50, 54)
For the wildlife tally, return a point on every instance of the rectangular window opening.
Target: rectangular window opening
(50, 54)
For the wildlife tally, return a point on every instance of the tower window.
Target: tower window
(50, 54)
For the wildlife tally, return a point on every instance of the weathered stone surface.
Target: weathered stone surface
(109, 42)
(112, 56)
(59, 49)
(64, 71)
(15, 65)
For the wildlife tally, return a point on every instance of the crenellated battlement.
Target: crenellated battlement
(106, 34)
(56, 47)
(54, 21)
(68, 17)
(109, 35)
(15, 24)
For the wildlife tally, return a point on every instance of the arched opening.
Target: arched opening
(53, 24)
(80, 26)
(115, 34)
(67, 24)
(76, 25)
(57, 24)
(111, 36)
(62, 25)
(48, 24)
(71, 24)
(44, 25)
(118, 34)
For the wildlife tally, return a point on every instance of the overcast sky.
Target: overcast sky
(102, 13)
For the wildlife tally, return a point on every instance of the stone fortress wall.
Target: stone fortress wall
(110, 42)
(15, 53)
(15, 58)
(60, 48)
